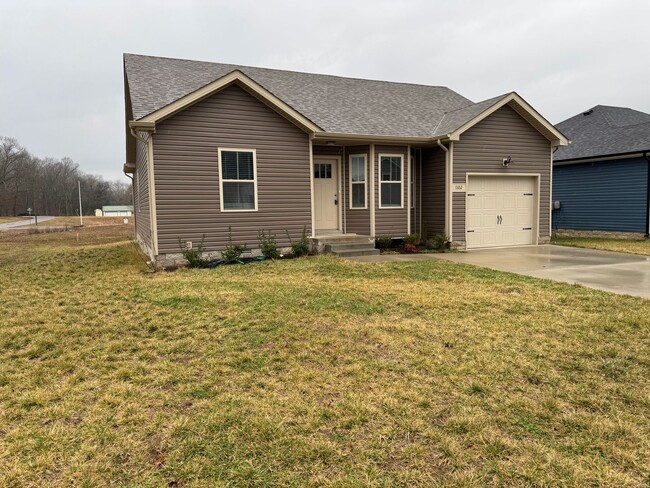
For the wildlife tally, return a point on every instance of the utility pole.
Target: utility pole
(81, 213)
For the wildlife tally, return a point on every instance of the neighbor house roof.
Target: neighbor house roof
(604, 131)
(333, 104)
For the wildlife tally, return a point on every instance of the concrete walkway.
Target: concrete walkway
(626, 274)
(25, 221)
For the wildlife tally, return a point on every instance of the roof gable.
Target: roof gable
(455, 123)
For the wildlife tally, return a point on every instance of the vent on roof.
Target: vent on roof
(588, 112)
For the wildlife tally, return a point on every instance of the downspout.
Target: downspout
(419, 209)
(408, 189)
(343, 197)
(372, 191)
(550, 192)
(311, 184)
(647, 208)
(133, 200)
(135, 216)
(447, 191)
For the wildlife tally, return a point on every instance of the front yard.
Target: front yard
(315, 371)
(632, 246)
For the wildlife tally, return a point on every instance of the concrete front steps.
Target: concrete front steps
(347, 245)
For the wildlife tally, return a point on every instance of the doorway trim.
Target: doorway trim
(339, 188)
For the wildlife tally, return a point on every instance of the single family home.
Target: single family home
(222, 152)
(601, 182)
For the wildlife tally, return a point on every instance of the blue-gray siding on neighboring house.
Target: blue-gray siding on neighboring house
(605, 195)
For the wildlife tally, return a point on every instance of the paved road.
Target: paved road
(627, 274)
(24, 222)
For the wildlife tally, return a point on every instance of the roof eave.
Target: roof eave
(370, 138)
(603, 157)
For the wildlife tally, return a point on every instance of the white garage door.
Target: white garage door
(500, 211)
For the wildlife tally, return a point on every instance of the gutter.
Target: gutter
(318, 136)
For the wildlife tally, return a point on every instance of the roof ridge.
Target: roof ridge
(236, 66)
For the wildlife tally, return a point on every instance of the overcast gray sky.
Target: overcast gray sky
(61, 81)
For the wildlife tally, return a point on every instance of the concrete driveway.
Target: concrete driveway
(24, 222)
(616, 272)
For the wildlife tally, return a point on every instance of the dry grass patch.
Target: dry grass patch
(632, 246)
(313, 371)
(72, 221)
(7, 220)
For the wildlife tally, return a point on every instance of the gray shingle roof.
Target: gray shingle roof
(335, 104)
(603, 131)
(457, 118)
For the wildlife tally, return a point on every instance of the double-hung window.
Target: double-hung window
(390, 172)
(358, 181)
(237, 180)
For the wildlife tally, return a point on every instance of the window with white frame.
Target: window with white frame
(390, 173)
(358, 181)
(238, 180)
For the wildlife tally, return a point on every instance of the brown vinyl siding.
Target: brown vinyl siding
(433, 191)
(415, 197)
(141, 201)
(187, 173)
(391, 221)
(482, 148)
(357, 220)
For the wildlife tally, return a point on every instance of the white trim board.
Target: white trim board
(232, 149)
(365, 182)
(401, 180)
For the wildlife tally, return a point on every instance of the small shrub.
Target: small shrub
(300, 247)
(193, 256)
(438, 242)
(232, 253)
(268, 245)
(409, 248)
(384, 242)
(413, 238)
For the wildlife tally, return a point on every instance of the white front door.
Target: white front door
(500, 211)
(326, 196)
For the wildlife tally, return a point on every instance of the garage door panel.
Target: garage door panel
(500, 210)
(490, 202)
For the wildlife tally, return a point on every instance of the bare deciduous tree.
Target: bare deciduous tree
(49, 186)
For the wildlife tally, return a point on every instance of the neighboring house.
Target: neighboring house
(601, 180)
(117, 210)
(221, 150)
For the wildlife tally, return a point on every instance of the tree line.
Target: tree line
(49, 186)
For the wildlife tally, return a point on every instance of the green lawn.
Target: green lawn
(633, 246)
(311, 372)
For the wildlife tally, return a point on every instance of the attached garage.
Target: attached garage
(501, 210)
(501, 194)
